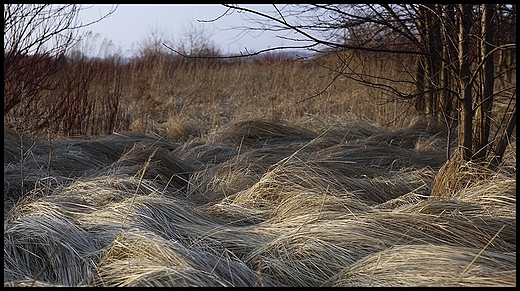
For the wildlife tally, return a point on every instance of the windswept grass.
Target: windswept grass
(258, 203)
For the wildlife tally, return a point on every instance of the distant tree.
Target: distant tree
(151, 46)
(195, 42)
(455, 46)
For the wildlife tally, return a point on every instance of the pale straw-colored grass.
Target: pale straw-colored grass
(307, 252)
(457, 174)
(447, 266)
(139, 258)
(261, 204)
(494, 197)
(49, 250)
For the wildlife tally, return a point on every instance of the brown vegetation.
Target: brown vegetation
(169, 172)
(175, 97)
(263, 170)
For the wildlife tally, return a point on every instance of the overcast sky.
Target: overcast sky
(132, 24)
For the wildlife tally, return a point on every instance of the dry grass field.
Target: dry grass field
(223, 176)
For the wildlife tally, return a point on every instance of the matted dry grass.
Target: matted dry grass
(257, 203)
(452, 266)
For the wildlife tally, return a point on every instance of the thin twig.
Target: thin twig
(482, 250)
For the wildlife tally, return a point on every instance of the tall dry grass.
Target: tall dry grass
(178, 98)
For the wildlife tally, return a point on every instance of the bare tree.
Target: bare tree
(151, 45)
(195, 41)
(455, 47)
(36, 38)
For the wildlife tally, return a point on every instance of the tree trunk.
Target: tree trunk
(483, 112)
(419, 101)
(447, 103)
(466, 113)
